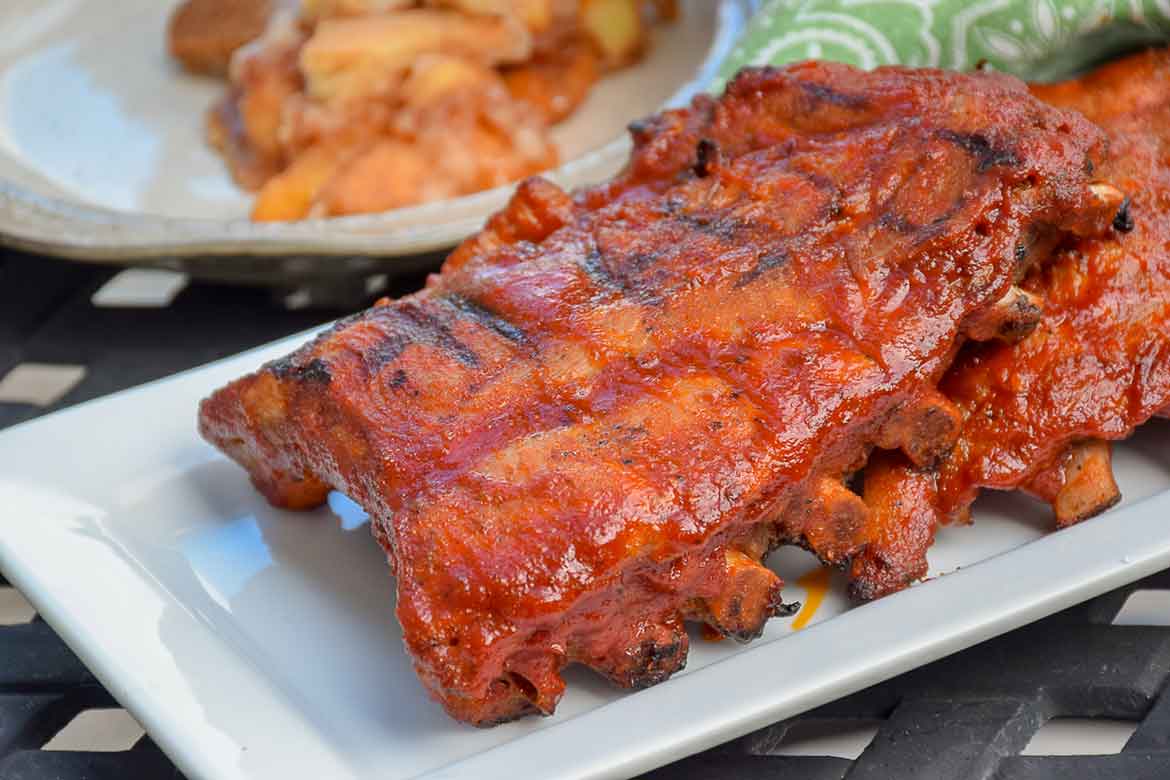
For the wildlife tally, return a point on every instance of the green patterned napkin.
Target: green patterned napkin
(1038, 39)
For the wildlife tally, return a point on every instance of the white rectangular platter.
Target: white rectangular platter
(254, 643)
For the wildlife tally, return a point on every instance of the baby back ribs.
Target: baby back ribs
(601, 415)
(1038, 413)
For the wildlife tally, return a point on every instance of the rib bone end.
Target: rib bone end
(750, 595)
(1079, 484)
(925, 430)
(833, 521)
(903, 504)
(640, 655)
(1009, 319)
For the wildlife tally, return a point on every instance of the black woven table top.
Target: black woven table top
(965, 717)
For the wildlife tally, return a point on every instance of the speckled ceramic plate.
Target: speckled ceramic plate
(102, 155)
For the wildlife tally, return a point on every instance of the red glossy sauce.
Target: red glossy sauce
(571, 443)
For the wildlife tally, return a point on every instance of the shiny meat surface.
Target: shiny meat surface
(597, 420)
(1037, 413)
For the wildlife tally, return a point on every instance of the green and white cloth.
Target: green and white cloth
(1038, 39)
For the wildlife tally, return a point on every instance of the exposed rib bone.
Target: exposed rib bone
(1078, 484)
(750, 597)
(1010, 319)
(903, 518)
(1110, 198)
(637, 656)
(925, 430)
(537, 677)
(833, 521)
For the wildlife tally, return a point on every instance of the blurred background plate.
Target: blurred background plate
(102, 156)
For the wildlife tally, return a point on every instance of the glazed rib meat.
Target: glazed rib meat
(593, 425)
(1038, 413)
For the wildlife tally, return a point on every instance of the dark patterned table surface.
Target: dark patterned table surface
(1082, 681)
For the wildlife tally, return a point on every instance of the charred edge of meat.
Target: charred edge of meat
(977, 144)
(487, 318)
(766, 262)
(517, 707)
(656, 662)
(1026, 312)
(750, 596)
(316, 370)
(652, 653)
(1123, 221)
(828, 521)
(639, 128)
(824, 94)
(708, 157)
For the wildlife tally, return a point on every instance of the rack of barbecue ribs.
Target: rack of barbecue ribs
(596, 421)
(1040, 409)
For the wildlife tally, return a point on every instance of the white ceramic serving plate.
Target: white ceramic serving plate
(102, 155)
(254, 643)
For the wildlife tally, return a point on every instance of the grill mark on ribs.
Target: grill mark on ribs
(316, 370)
(624, 274)
(413, 322)
(594, 266)
(826, 94)
(724, 228)
(486, 318)
(980, 147)
(766, 262)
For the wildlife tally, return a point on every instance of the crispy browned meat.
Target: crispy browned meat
(203, 34)
(597, 420)
(1036, 413)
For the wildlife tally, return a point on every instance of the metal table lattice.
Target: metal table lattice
(964, 717)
